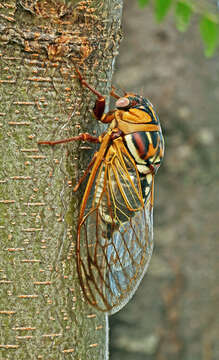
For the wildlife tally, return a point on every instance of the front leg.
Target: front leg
(99, 106)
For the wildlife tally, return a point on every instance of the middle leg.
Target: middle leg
(82, 137)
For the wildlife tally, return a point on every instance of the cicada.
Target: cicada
(115, 225)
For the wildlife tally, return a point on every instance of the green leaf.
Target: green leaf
(183, 15)
(161, 8)
(143, 3)
(210, 34)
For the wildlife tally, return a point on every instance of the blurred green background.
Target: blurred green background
(174, 314)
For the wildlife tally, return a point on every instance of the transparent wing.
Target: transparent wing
(115, 238)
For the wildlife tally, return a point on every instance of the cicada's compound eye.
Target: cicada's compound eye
(123, 103)
(127, 102)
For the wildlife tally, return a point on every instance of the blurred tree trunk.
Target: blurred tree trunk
(42, 312)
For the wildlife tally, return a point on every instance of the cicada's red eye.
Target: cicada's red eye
(122, 103)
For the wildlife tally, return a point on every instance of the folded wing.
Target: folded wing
(115, 237)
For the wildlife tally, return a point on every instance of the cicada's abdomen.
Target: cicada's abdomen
(147, 150)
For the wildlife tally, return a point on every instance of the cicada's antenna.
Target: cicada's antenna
(124, 92)
(113, 93)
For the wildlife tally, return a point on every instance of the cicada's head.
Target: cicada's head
(133, 101)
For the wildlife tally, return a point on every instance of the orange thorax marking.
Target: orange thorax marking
(134, 120)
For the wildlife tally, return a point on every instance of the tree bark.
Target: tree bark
(42, 311)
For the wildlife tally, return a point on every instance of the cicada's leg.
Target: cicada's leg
(82, 137)
(99, 106)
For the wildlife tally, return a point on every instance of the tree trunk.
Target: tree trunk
(42, 311)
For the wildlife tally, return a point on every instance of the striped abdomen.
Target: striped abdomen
(147, 149)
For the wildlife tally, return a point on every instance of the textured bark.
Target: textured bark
(42, 311)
